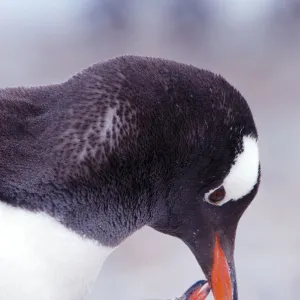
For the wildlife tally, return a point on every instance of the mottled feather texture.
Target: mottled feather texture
(99, 151)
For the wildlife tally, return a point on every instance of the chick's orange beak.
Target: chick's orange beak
(200, 293)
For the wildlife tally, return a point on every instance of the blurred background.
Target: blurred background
(255, 45)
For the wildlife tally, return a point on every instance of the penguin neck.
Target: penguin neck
(102, 198)
(105, 213)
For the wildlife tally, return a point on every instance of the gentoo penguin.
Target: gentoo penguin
(126, 143)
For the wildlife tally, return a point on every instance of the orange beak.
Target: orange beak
(200, 293)
(217, 264)
(221, 279)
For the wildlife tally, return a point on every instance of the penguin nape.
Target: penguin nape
(126, 143)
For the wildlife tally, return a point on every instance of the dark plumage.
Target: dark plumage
(125, 143)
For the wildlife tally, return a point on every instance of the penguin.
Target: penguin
(125, 143)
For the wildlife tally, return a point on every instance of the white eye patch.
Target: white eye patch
(243, 174)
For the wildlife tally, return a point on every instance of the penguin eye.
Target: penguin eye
(217, 195)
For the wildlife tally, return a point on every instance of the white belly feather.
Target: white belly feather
(40, 259)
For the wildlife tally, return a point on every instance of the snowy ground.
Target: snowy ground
(46, 43)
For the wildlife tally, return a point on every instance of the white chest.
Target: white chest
(40, 259)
